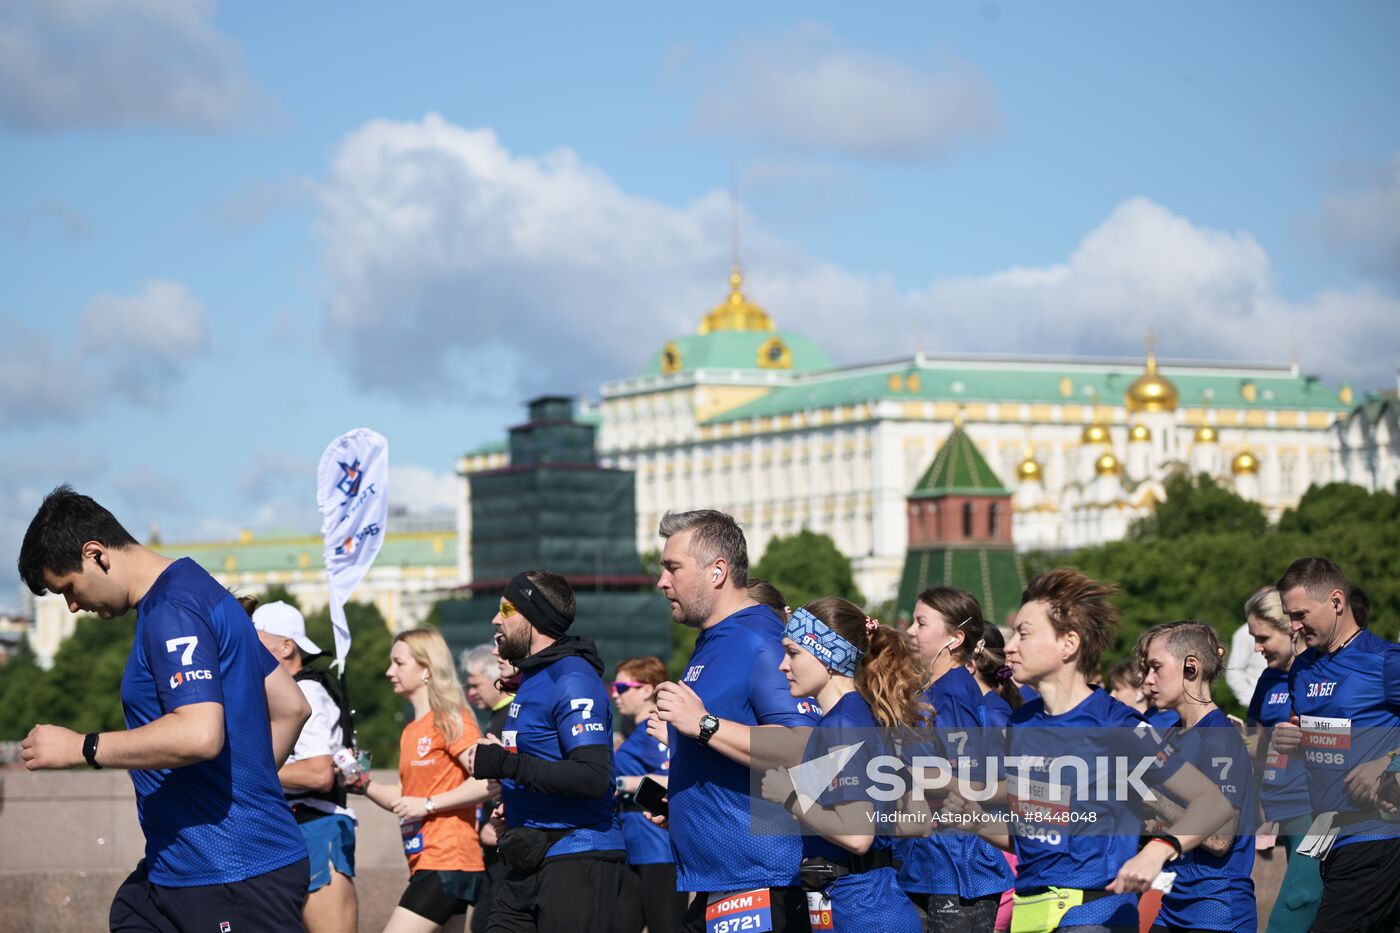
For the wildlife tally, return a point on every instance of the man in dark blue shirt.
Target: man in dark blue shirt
(1345, 691)
(562, 845)
(731, 684)
(210, 716)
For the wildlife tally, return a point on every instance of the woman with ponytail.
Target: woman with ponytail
(863, 675)
(988, 667)
(435, 799)
(955, 879)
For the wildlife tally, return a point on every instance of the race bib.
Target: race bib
(1275, 765)
(1326, 740)
(412, 832)
(749, 911)
(1041, 809)
(819, 911)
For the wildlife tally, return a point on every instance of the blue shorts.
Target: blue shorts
(330, 841)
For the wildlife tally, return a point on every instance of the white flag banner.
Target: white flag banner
(352, 489)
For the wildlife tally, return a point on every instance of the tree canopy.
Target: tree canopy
(807, 566)
(1171, 569)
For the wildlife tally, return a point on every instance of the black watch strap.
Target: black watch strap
(709, 725)
(90, 750)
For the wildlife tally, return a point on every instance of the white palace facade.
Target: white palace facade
(757, 422)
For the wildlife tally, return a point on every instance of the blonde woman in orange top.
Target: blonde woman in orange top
(435, 798)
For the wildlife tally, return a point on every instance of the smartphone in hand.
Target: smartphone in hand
(651, 797)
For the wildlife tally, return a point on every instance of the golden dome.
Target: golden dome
(1030, 470)
(1094, 434)
(1140, 432)
(736, 312)
(1206, 434)
(1108, 465)
(1151, 391)
(1244, 464)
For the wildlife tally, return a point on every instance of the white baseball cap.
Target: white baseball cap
(283, 619)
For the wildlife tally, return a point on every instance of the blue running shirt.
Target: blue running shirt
(1078, 857)
(558, 708)
(1348, 704)
(870, 900)
(639, 753)
(734, 669)
(1284, 777)
(996, 712)
(1214, 892)
(953, 861)
(222, 820)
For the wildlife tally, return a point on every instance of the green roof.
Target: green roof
(959, 469)
(994, 575)
(739, 349)
(1005, 381)
(414, 549)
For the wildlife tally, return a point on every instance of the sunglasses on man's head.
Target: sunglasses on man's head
(619, 687)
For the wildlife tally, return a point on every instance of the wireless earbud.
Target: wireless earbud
(1189, 669)
(716, 574)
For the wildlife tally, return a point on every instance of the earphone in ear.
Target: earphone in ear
(716, 575)
(97, 559)
(1189, 669)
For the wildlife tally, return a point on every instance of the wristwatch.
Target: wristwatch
(709, 725)
(90, 750)
(428, 805)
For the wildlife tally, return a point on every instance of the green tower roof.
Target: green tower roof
(959, 469)
(995, 575)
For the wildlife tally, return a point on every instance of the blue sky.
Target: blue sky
(229, 233)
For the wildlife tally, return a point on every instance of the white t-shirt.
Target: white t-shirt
(320, 736)
(1244, 666)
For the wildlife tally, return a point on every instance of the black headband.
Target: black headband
(526, 597)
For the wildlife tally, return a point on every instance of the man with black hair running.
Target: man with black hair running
(562, 844)
(209, 718)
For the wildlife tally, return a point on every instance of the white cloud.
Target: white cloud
(134, 347)
(77, 63)
(420, 489)
(1207, 294)
(806, 90)
(458, 269)
(1366, 224)
(163, 321)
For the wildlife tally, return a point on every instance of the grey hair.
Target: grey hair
(716, 535)
(482, 660)
(1267, 605)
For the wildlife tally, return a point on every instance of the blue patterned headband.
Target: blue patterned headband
(817, 639)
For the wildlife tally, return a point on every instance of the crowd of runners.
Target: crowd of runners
(810, 768)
